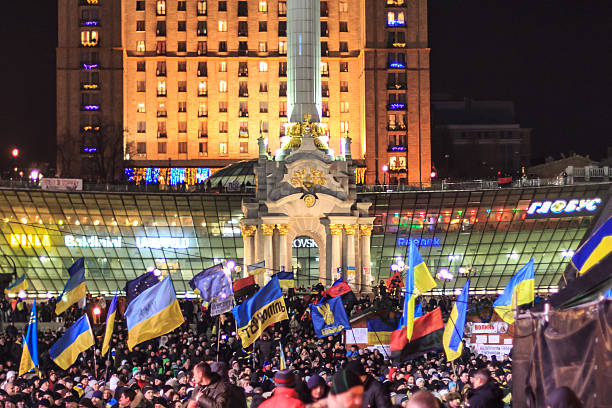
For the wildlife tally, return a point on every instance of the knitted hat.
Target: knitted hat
(344, 381)
(97, 394)
(284, 378)
(355, 366)
(314, 381)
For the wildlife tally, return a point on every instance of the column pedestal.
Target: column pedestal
(283, 247)
(248, 238)
(350, 273)
(268, 231)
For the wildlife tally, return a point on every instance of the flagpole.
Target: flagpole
(218, 334)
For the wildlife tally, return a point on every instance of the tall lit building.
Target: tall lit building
(203, 79)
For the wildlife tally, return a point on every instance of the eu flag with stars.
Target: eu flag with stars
(212, 282)
(136, 286)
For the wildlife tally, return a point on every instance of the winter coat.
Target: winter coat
(488, 395)
(214, 395)
(283, 397)
(374, 395)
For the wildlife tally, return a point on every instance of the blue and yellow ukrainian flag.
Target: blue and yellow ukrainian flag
(283, 361)
(453, 332)
(76, 340)
(153, 313)
(29, 355)
(379, 332)
(254, 315)
(75, 288)
(256, 268)
(597, 247)
(285, 279)
(418, 281)
(519, 291)
(21, 283)
(110, 323)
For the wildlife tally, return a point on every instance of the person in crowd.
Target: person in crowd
(487, 392)
(346, 390)
(209, 391)
(285, 394)
(374, 395)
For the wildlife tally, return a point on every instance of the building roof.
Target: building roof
(241, 172)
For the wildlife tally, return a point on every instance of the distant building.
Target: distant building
(554, 168)
(194, 83)
(478, 139)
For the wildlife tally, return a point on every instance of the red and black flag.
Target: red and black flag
(426, 336)
(244, 287)
(341, 288)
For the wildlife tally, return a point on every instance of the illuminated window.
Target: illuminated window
(89, 38)
(161, 110)
(344, 107)
(222, 86)
(203, 148)
(344, 86)
(222, 106)
(141, 108)
(161, 88)
(263, 66)
(263, 46)
(202, 110)
(222, 26)
(263, 6)
(324, 69)
(244, 147)
(182, 106)
(141, 127)
(395, 19)
(203, 129)
(161, 7)
(397, 162)
(263, 87)
(202, 88)
(222, 127)
(282, 8)
(223, 148)
(343, 6)
(344, 126)
(161, 129)
(263, 127)
(140, 46)
(201, 7)
(263, 107)
(161, 48)
(222, 66)
(202, 47)
(282, 47)
(161, 68)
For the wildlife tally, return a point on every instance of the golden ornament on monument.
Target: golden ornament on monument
(309, 200)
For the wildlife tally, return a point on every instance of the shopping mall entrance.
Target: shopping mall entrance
(305, 261)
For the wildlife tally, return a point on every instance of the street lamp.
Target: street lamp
(15, 152)
(385, 169)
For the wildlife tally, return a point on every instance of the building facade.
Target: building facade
(202, 80)
(485, 235)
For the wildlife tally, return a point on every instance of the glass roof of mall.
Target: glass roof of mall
(482, 234)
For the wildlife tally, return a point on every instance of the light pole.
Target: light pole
(385, 169)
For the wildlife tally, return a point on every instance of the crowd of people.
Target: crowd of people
(203, 365)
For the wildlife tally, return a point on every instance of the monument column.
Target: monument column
(350, 273)
(336, 251)
(268, 231)
(248, 238)
(365, 275)
(285, 260)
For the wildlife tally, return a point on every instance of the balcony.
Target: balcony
(90, 23)
(91, 128)
(89, 150)
(396, 148)
(160, 73)
(325, 93)
(243, 74)
(396, 85)
(202, 94)
(162, 114)
(243, 94)
(87, 86)
(243, 133)
(397, 65)
(90, 107)
(243, 114)
(241, 53)
(396, 23)
(243, 33)
(397, 106)
(162, 135)
(396, 3)
(162, 93)
(202, 135)
(160, 33)
(282, 114)
(89, 3)
(89, 67)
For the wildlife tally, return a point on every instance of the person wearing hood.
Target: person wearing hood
(237, 397)
(487, 393)
(374, 394)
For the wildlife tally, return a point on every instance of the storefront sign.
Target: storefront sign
(304, 243)
(162, 243)
(92, 242)
(29, 241)
(421, 242)
(563, 207)
(59, 184)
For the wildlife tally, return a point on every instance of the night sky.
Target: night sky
(553, 59)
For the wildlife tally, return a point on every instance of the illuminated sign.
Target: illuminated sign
(29, 241)
(92, 242)
(162, 243)
(421, 242)
(563, 208)
(304, 243)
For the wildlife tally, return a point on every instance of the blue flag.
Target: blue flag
(29, 355)
(212, 283)
(329, 317)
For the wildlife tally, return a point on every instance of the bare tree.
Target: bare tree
(68, 156)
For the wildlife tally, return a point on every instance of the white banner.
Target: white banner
(489, 350)
(219, 307)
(357, 336)
(487, 328)
(384, 349)
(61, 184)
